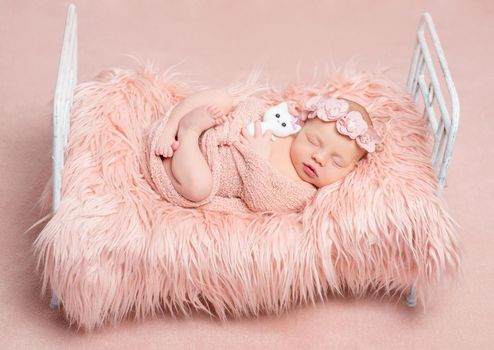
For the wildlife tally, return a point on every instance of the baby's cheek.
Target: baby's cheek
(295, 152)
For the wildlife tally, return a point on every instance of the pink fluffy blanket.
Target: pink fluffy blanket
(115, 246)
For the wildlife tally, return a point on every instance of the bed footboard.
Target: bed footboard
(64, 92)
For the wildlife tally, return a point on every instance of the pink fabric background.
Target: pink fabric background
(278, 36)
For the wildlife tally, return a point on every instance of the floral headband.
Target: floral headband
(351, 123)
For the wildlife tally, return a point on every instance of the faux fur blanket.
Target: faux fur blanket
(115, 247)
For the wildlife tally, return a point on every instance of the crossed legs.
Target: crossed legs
(187, 168)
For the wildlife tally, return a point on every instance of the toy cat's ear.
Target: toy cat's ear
(284, 106)
(295, 126)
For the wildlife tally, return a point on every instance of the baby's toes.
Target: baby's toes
(170, 151)
(216, 111)
(164, 152)
(159, 151)
(220, 115)
(175, 145)
(219, 112)
(211, 109)
(220, 120)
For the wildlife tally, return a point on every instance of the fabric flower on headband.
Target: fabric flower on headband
(351, 124)
(327, 109)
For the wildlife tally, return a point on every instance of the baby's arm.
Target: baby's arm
(217, 97)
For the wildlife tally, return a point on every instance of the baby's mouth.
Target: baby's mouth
(309, 170)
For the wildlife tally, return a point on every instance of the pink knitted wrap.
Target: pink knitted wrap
(242, 180)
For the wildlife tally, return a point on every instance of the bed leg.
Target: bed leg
(54, 303)
(412, 298)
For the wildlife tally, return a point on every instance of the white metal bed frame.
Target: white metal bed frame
(421, 68)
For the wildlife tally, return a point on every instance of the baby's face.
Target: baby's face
(321, 146)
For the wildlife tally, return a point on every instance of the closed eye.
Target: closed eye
(339, 163)
(307, 137)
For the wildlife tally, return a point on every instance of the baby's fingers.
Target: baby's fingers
(267, 134)
(245, 133)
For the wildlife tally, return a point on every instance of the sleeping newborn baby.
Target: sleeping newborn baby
(336, 135)
(273, 174)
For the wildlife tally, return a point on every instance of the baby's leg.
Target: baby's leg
(167, 144)
(189, 170)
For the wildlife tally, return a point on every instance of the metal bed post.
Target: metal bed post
(64, 93)
(445, 129)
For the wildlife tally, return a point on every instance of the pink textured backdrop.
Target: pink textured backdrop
(220, 42)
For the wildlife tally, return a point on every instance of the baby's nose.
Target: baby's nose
(318, 158)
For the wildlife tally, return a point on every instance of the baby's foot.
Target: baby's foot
(166, 143)
(202, 118)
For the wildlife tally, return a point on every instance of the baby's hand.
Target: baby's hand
(259, 143)
(166, 143)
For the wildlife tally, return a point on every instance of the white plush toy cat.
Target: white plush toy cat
(279, 120)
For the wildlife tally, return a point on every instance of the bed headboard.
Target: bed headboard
(426, 87)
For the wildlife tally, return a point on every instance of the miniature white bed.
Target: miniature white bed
(424, 84)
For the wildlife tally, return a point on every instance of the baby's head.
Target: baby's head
(332, 140)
